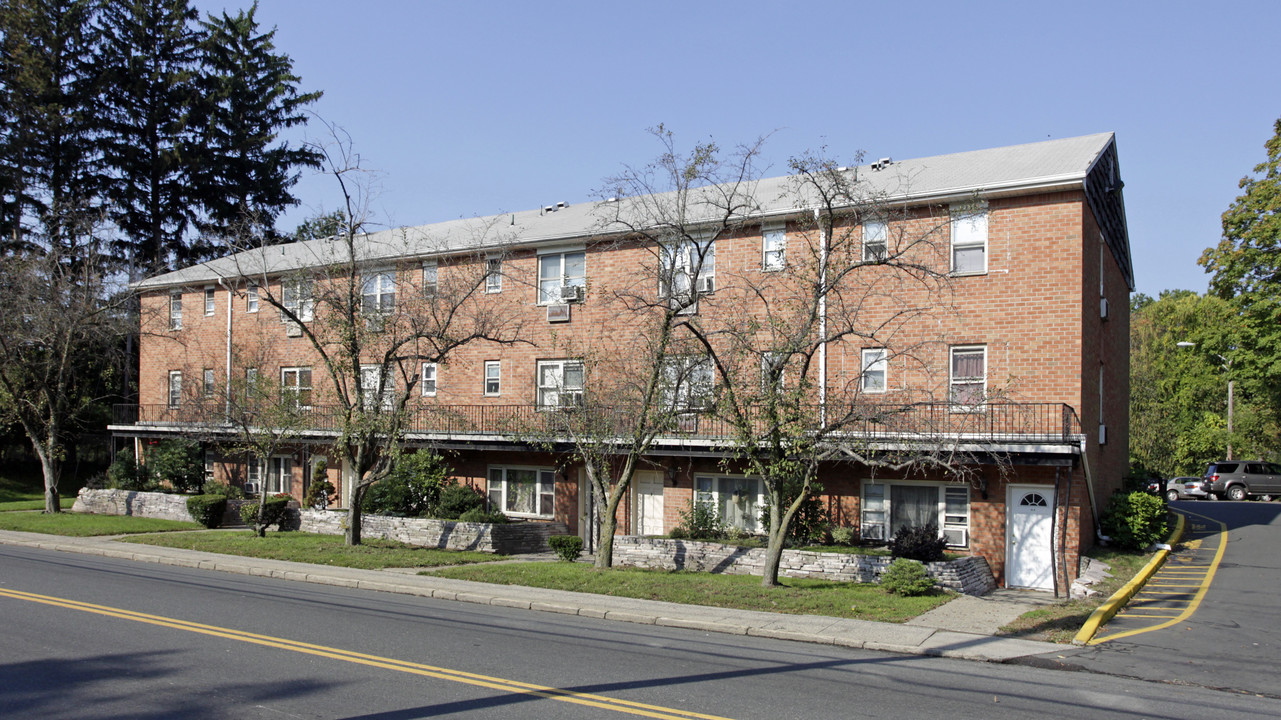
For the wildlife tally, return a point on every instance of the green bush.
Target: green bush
(906, 577)
(843, 535)
(177, 464)
(478, 515)
(568, 547)
(458, 499)
(126, 474)
(700, 521)
(207, 509)
(231, 492)
(412, 489)
(810, 524)
(921, 542)
(319, 494)
(1135, 520)
(273, 512)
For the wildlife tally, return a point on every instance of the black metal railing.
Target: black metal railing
(991, 423)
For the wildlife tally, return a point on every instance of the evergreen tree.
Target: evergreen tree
(250, 93)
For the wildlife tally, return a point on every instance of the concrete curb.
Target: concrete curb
(845, 632)
(1109, 609)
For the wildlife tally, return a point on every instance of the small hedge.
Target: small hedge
(458, 499)
(478, 515)
(568, 547)
(1135, 521)
(907, 578)
(273, 511)
(207, 509)
(921, 542)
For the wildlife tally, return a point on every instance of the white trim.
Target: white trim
(435, 378)
(952, 381)
(975, 216)
(543, 476)
(867, 366)
(497, 377)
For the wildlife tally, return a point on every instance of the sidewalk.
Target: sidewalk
(960, 629)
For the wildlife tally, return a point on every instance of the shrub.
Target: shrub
(810, 523)
(478, 515)
(319, 494)
(125, 473)
(843, 535)
(679, 533)
(207, 509)
(179, 464)
(412, 489)
(231, 492)
(921, 542)
(906, 577)
(458, 499)
(273, 512)
(568, 547)
(1135, 520)
(701, 521)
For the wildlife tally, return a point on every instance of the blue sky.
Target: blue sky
(477, 108)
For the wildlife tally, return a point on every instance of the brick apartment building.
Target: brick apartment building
(1002, 333)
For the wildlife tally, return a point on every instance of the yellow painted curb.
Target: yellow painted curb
(1107, 610)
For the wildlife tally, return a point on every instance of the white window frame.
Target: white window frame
(208, 382)
(708, 490)
(174, 396)
(378, 292)
(431, 278)
(549, 286)
(675, 279)
(251, 298)
(768, 360)
(297, 381)
(296, 297)
(499, 490)
(688, 382)
(175, 310)
(493, 374)
(211, 300)
(428, 379)
(876, 239)
(254, 472)
(965, 381)
(874, 361)
(369, 374)
(553, 390)
(493, 274)
(876, 509)
(773, 248)
(969, 229)
(277, 475)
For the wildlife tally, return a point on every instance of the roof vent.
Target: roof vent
(562, 205)
(882, 163)
(549, 208)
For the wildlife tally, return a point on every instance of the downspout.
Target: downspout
(230, 304)
(822, 319)
(1089, 486)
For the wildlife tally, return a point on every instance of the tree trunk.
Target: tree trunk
(354, 516)
(605, 543)
(773, 556)
(52, 500)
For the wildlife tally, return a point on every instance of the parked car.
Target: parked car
(1185, 488)
(1242, 479)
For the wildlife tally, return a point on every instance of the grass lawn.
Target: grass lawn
(83, 525)
(22, 488)
(1060, 623)
(744, 592)
(313, 548)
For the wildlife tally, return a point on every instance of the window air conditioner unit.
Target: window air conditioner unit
(1103, 434)
(557, 313)
(705, 284)
(956, 537)
(1103, 308)
(293, 329)
(873, 532)
(251, 488)
(570, 293)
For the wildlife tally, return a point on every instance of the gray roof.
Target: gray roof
(1048, 165)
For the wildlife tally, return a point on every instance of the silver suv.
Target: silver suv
(1241, 479)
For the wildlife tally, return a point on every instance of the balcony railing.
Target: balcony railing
(993, 423)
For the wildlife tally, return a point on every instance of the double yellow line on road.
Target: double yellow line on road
(440, 673)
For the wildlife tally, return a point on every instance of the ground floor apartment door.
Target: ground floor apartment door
(649, 502)
(1029, 537)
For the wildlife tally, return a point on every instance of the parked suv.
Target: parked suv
(1240, 479)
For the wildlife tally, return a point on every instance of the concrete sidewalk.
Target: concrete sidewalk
(960, 629)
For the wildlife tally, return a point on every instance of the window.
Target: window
(772, 372)
(968, 377)
(523, 492)
(175, 388)
(773, 248)
(560, 383)
(375, 385)
(687, 382)
(253, 474)
(209, 466)
(378, 293)
(874, 366)
(251, 299)
(493, 275)
(738, 500)
(493, 377)
(296, 297)
(562, 277)
(295, 382)
(428, 379)
(969, 240)
(209, 300)
(889, 507)
(280, 474)
(209, 382)
(431, 274)
(175, 311)
(875, 240)
(688, 271)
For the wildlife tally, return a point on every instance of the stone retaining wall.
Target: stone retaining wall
(165, 506)
(508, 539)
(969, 575)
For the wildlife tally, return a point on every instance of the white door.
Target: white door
(649, 503)
(1029, 537)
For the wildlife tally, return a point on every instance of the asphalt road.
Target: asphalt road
(1233, 639)
(88, 637)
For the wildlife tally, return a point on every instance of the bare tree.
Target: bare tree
(60, 316)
